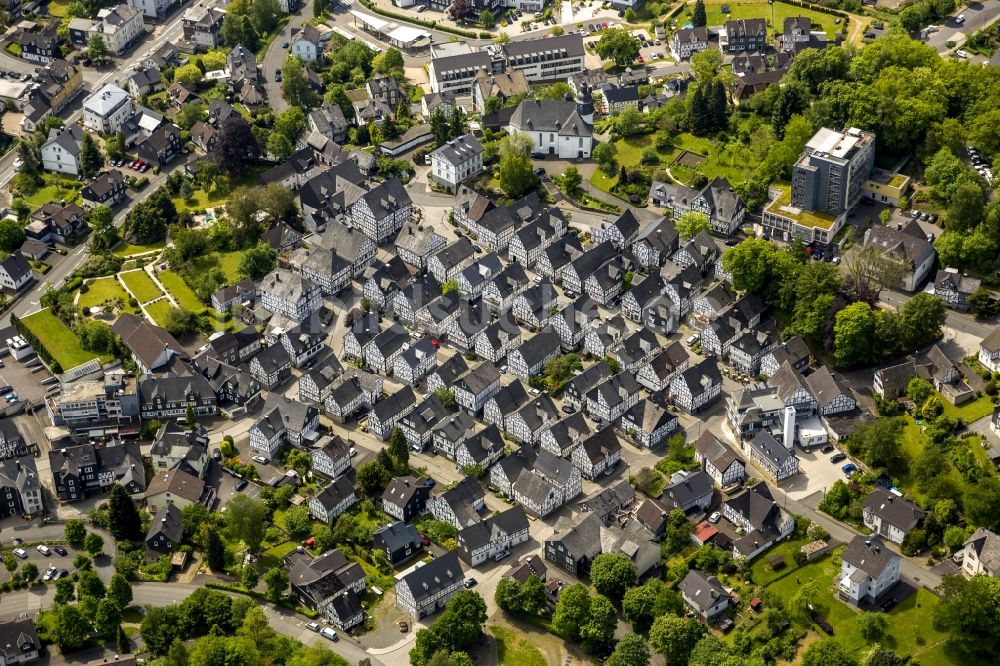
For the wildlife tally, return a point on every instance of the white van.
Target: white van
(329, 634)
(693, 339)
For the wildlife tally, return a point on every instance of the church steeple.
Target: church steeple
(585, 102)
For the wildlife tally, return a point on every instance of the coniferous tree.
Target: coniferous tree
(698, 16)
(717, 104)
(123, 517)
(215, 551)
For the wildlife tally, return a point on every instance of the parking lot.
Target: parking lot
(102, 565)
(816, 473)
(25, 376)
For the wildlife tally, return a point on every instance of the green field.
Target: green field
(141, 285)
(158, 311)
(628, 152)
(910, 630)
(59, 341)
(132, 250)
(216, 195)
(181, 292)
(229, 262)
(103, 290)
(775, 15)
(515, 650)
(969, 411)
(54, 189)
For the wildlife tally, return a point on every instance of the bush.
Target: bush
(799, 557)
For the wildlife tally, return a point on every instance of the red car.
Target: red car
(435, 343)
(426, 541)
(639, 58)
(138, 165)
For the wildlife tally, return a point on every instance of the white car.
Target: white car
(962, 53)
(960, 19)
(260, 459)
(714, 518)
(20, 553)
(50, 573)
(352, 452)
(43, 549)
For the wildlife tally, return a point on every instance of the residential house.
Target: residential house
(763, 522)
(175, 487)
(80, 471)
(890, 516)
(576, 389)
(868, 570)
(416, 242)
(606, 402)
(271, 366)
(427, 589)
(333, 458)
(794, 351)
(201, 24)
(533, 306)
(525, 425)
(492, 538)
(174, 447)
(244, 292)
(107, 110)
(307, 44)
(61, 152)
(704, 595)
(744, 35)
(647, 423)
(457, 160)
(498, 339)
(330, 585)
(482, 449)
(354, 390)
(419, 425)
(655, 242)
(771, 457)
(697, 387)
(691, 492)
(383, 210)
(604, 340)
(405, 498)
(327, 505)
(451, 433)
(170, 396)
(989, 351)
(505, 402)
(329, 121)
(398, 541)
(574, 322)
(282, 421)
(500, 292)
(656, 375)
(954, 288)
(719, 460)
(981, 554)
(449, 261)
(381, 353)
(166, 531)
(285, 293)
(20, 642)
(563, 436)
(686, 42)
(384, 416)
(597, 454)
(497, 85)
(107, 189)
(908, 245)
(528, 242)
(460, 505)
(530, 358)
(21, 488)
(573, 548)
(473, 389)
(416, 360)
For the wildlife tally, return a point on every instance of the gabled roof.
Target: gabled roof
(167, 522)
(558, 116)
(897, 511)
(440, 574)
(702, 591)
(868, 554)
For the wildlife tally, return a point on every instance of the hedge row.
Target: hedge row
(817, 8)
(427, 24)
(35, 343)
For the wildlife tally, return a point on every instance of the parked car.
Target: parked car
(849, 468)
(49, 574)
(430, 483)
(329, 634)
(259, 459)
(827, 449)
(404, 627)
(217, 453)
(43, 549)
(714, 518)
(241, 485)
(837, 458)
(61, 551)
(313, 626)
(566, 409)
(20, 553)
(471, 583)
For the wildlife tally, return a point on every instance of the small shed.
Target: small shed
(776, 562)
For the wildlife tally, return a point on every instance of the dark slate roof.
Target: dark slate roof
(437, 575)
(868, 554)
(479, 379)
(897, 511)
(167, 521)
(394, 404)
(335, 493)
(701, 590)
(397, 536)
(689, 488)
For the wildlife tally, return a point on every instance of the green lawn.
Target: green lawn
(54, 189)
(775, 15)
(58, 8)
(229, 262)
(181, 292)
(515, 650)
(628, 153)
(910, 630)
(132, 250)
(970, 411)
(141, 285)
(272, 557)
(103, 290)
(158, 311)
(763, 574)
(59, 341)
(217, 195)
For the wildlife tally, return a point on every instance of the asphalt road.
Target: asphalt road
(958, 321)
(274, 58)
(163, 594)
(978, 15)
